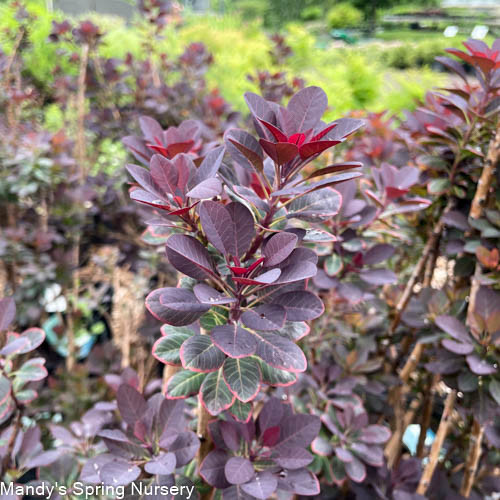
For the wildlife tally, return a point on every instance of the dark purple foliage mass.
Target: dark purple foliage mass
(257, 458)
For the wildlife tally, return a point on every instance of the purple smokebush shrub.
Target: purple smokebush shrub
(257, 458)
(243, 230)
(152, 443)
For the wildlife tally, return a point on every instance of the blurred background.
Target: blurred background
(365, 54)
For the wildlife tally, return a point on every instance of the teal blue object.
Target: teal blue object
(411, 435)
(84, 340)
(343, 35)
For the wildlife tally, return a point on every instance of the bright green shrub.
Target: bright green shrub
(350, 80)
(403, 89)
(344, 15)
(252, 9)
(311, 13)
(41, 58)
(239, 49)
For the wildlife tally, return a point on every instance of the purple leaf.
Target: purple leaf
(271, 414)
(309, 188)
(218, 226)
(230, 434)
(43, 459)
(445, 366)
(343, 454)
(251, 197)
(356, 470)
(378, 253)
(164, 175)
(350, 292)
(457, 347)
(15, 345)
(119, 473)
(265, 317)
(321, 447)
(297, 271)
(260, 109)
(119, 445)
(34, 337)
(300, 305)
(453, 65)
(300, 255)
(189, 256)
(307, 107)
(278, 135)
(62, 434)
(151, 129)
(238, 470)
(162, 464)
(199, 354)
(143, 196)
(244, 226)
(234, 341)
(316, 206)
(242, 376)
(212, 469)
(279, 152)
(300, 482)
(244, 149)
(185, 447)
(262, 486)
(454, 328)
(137, 147)
(235, 493)
(344, 127)
(131, 404)
(143, 177)
(315, 147)
(487, 308)
(209, 188)
(298, 430)
(215, 394)
(456, 219)
(375, 434)
(209, 166)
(91, 470)
(372, 455)
(378, 276)
(175, 306)
(208, 295)
(479, 366)
(294, 458)
(280, 352)
(278, 248)
(337, 167)
(7, 312)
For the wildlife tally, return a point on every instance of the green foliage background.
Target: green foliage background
(359, 77)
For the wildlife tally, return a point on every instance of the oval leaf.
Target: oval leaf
(199, 354)
(242, 377)
(234, 341)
